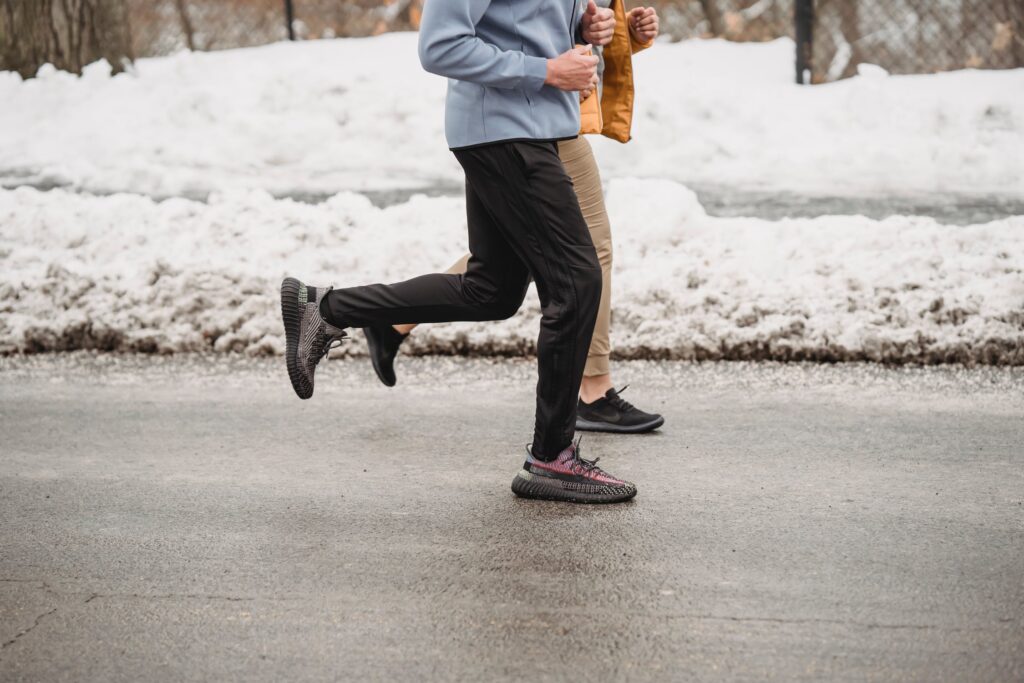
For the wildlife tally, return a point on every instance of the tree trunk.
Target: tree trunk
(66, 33)
(186, 24)
(410, 15)
(714, 17)
(849, 25)
(1015, 18)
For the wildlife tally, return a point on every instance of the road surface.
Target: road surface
(171, 519)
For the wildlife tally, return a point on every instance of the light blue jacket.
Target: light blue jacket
(494, 54)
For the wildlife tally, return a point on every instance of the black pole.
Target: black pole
(289, 16)
(804, 18)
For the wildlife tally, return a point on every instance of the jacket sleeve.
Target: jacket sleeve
(449, 46)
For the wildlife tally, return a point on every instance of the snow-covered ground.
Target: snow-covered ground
(333, 115)
(125, 258)
(126, 272)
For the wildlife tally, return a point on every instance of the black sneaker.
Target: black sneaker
(571, 479)
(383, 343)
(308, 337)
(612, 414)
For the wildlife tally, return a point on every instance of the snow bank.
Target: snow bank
(330, 118)
(125, 272)
(327, 116)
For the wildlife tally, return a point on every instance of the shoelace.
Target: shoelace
(333, 340)
(340, 339)
(581, 466)
(618, 402)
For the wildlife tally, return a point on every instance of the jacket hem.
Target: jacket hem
(510, 140)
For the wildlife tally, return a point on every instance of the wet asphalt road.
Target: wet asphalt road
(188, 519)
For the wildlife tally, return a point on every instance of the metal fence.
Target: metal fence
(915, 36)
(739, 20)
(161, 27)
(902, 36)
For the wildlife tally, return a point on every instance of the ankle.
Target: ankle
(594, 388)
(551, 458)
(404, 328)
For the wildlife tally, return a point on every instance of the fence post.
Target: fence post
(289, 16)
(804, 19)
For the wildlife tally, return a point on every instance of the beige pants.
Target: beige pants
(579, 162)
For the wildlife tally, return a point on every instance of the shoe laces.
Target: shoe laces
(582, 466)
(333, 342)
(619, 402)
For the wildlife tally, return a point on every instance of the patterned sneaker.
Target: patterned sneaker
(308, 336)
(611, 414)
(383, 343)
(569, 478)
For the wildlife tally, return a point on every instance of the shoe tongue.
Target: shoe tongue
(611, 394)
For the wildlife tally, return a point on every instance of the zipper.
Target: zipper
(572, 24)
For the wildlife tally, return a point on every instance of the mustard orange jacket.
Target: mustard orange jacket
(611, 114)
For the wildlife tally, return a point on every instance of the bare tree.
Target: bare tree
(186, 24)
(714, 17)
(1013, 15)
(66, 33)
(850, 27)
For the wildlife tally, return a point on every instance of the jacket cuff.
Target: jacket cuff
(535, 72)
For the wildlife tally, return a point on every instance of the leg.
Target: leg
(530, 197)
(578, 159)
(492, 287)
(600, 407)
(457, 268)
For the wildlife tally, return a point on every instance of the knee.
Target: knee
(511, 298)
(505, 308)
(499, 303)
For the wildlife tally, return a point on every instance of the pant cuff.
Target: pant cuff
(597, 365)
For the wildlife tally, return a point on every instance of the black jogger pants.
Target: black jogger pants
(524, 221)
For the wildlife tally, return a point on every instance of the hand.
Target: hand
(589, 90)
(643, 23)
(572, 70)
(598, 24)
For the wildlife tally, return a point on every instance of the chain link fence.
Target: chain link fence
(739, 20)
(915, 36)
(163, 26)
(160, 27)
(901, 36)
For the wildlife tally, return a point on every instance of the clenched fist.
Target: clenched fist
(643, 23)
(598, 24)
(589, 90)
(572, 70)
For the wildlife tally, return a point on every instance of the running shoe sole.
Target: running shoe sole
(588, 426)
(291, 314)
(527, 485)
